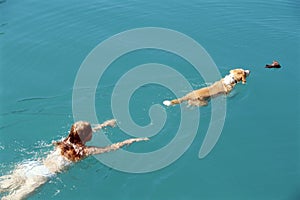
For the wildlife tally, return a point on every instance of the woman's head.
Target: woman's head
(81, 132)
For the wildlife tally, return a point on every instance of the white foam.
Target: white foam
(167, 103)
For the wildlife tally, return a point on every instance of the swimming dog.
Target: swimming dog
(201, 96)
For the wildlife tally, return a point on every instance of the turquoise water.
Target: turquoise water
(43, 44)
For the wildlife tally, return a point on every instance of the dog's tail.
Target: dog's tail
(174, 101)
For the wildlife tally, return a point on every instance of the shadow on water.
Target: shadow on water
(2, 25)
(39, 105)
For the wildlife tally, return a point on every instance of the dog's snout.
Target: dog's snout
(247, 72)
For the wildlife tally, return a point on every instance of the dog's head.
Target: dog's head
(240, 74)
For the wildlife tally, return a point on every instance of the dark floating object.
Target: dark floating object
(275, 64)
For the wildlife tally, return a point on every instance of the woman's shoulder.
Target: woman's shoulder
(70, 151)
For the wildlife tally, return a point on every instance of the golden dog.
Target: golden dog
(224, 86)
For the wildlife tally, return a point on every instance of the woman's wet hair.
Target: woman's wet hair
(73, 136)
(72, 146)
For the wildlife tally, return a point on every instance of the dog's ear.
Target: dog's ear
(239, 75)
(244, 77)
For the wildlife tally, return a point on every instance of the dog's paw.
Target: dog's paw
(167, 103)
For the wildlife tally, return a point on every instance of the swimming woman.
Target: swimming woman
(30, 175)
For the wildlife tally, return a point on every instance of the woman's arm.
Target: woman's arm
(98, 150)
(111, 122)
